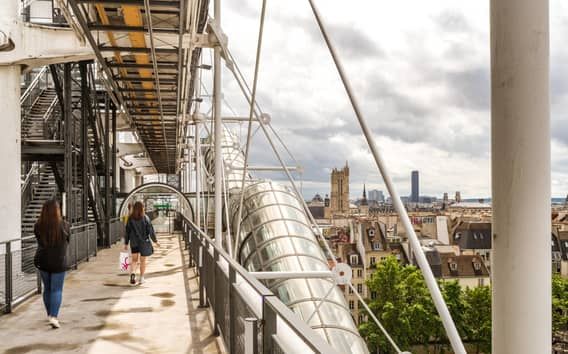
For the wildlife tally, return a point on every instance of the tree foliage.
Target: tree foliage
(559, 303)
(405, 308)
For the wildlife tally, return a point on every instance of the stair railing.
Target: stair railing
(33, 91)
(52, 127)
(30, 179)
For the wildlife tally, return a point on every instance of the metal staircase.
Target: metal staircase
(42, 190)
(34, 123)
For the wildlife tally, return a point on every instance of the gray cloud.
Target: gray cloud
(449, 59)
(452, 21)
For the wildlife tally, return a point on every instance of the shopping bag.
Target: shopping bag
(124, 261)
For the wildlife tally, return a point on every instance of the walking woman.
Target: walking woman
(140, 234)
(52, 235)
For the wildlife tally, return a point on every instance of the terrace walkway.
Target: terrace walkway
(101, 313)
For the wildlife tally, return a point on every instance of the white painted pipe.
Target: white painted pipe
(218, 132)
(293, 275)
(520, 151)
(431, 282)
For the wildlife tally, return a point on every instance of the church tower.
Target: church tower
(339, 201)
(364, 205)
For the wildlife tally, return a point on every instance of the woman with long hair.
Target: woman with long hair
(140, 234)
(52, 235)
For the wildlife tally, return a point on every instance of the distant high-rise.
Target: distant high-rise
(376, 195)
(415, 195)
(458, 197)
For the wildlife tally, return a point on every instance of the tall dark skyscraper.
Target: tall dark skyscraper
(415, 195)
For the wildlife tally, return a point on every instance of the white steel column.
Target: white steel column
(11, 157)
(520, 144)
(218, 131)
(129, 183)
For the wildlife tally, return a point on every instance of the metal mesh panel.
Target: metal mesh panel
(116, 230)
(81, 244)
(71, 250)
(221, 295)
(2, 281)
(242, 311)
(93, 235)
(24, 274)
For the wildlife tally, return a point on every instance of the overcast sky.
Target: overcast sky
(421, 73)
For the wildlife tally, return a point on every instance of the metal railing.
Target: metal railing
(40, 82)
(248, 316)
(31, 178)
(52, 127)
(18, 275)
(82, 244)
(117, 230)
(43, 12)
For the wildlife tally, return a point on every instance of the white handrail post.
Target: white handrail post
(429, 278)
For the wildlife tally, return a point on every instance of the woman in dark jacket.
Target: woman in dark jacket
(139, 231)
(52, 235)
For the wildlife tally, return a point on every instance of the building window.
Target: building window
(453, 266)
(481, 282)
(383, 258)
(377, 246)
(350, 290)
(351, 305)
(360, 289)
(359, 273)
(476, 265)
(354, 259)
(373, 295)
(373, 260)
(361, 319)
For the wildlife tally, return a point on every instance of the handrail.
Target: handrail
(33, 84)
(277, 308)
(49, 115)
(82, 226)
(31, 172)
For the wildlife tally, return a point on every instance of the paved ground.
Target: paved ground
(101, 313)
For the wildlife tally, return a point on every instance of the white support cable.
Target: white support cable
(315, 227)
(258, 107)
(249, 129)
(225, 194)
(218, 131)
(242, 84)
(429, 278)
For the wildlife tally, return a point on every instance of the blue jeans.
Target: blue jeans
(52, 291)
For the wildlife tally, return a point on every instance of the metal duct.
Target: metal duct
(276, 236)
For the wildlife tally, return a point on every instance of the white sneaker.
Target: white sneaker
(54, 322)
(142, 281)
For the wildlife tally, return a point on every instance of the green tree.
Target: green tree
(559, 303)
(477, 318)
(403, 306)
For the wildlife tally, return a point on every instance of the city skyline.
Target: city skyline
(435, 119)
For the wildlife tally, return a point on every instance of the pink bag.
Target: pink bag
(124, 262)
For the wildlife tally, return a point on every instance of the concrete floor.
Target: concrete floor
(102, 313)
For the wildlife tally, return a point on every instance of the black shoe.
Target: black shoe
(132, 278)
